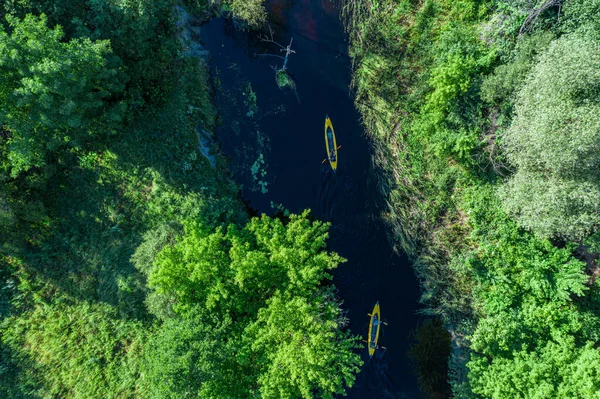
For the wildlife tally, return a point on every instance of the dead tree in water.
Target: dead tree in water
(281, 75)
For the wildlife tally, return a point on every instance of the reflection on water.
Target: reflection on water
(260, 120)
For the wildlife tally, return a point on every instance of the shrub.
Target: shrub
(250, 13)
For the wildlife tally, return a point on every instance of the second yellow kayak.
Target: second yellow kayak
(331, 144)
(374, 325)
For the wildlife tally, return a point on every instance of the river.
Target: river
(274, 141)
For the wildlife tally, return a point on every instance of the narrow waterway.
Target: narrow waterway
(274, 139)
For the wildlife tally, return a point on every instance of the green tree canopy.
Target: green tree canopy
(195, 357)
(528, 296)
(556, 369)
(237, 270)
(54, 92)
(554, 142)
(301, 352)
(253, 297)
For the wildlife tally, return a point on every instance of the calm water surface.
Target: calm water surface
(274, 139)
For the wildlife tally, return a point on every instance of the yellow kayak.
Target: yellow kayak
(331, 144)
(374, 329)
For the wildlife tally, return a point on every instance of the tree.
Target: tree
(254, 297)
(556, 369)
(301, 350)
(237, 270)
(54, 93)
(534, 328)
(194, 357)
(554, 141)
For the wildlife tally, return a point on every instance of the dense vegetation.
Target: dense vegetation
(129, 267)
(485, 118)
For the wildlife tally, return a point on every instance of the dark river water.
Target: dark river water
(274, 140)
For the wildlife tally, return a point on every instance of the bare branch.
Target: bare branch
(269, 39)
(529, 21)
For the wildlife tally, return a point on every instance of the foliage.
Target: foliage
(581, 16)
(500, 87)
(80, 350)
(251, 14)
(302, 352)
(284, 80)
(558, 369)
(54, 92)
(525, 293)
(193, 357)
(554, 141)
(273, 319)
(236, 270)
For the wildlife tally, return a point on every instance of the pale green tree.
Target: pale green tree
(554, 141)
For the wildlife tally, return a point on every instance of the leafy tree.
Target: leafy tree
(582, 16)
(274, 320)
(195, 357)
(555, 369)
(238, 270)
(554, 141)
(54, 93)
(301, 350)
(499, 88)
(527, 297)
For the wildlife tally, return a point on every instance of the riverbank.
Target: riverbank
(129, 259)
(436, 84)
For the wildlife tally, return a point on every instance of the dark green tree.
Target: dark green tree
(54, 93)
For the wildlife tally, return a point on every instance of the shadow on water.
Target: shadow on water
(276, 147)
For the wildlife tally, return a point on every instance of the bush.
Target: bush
(249, 13)
(554, 141)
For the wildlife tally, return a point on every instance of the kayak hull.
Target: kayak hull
(374, 326)
(331, 144)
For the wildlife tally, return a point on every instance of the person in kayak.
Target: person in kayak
(331, 145)
(332, 156)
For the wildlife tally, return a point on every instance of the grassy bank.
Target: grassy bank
(464, 108)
